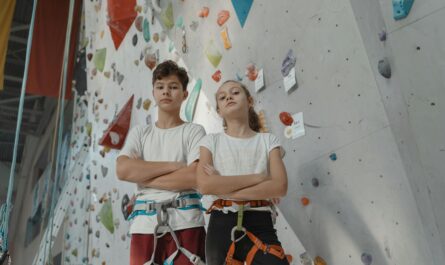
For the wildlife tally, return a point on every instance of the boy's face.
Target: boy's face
(169, 94)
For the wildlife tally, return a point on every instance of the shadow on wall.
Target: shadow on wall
(334, 210)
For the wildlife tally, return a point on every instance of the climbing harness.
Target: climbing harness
(258, 245)
(150, 208)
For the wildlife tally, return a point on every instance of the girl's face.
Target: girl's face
(231, 100)
(168, 93)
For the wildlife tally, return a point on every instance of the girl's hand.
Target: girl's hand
(275, 200)
(210, 170)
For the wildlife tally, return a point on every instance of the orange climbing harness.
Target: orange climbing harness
(258, 245)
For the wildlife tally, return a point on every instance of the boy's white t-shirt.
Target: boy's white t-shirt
(240, 156)
(179, 144)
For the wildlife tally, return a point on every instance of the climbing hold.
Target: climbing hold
(135, 39)
(146, 30)
(194, 25)
(106, 216)
(97, 234)
(180, 22)
(104, 171)
(333, 156)
(146, 104)
(212, 53)
(156, 37)
(251, 72)
(89, 56)
(139, 103)
(223, 16)
(319, 261)
(204, 12)
(191, 103)
(315, 182)
(138, 23)
(225, 37)
(286, 118)
(382, 35)
(305, 201)
(366, 258)
(167, 16)
(242, 9)
(217, 76)
(150, 60)
(384, 68)
(99, 59)
(288, 63)
(401, 8)
(121, 16)
(74, 252)
(126, 206)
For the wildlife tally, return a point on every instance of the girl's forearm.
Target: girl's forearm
(264, 190)
(218, 185)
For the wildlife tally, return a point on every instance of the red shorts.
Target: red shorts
(192, 239)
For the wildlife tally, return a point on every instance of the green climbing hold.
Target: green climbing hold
(191, 103)
(106, 216)
(99, 59)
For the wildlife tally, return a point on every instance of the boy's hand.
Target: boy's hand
(210, 170)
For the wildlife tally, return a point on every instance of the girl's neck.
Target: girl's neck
(239, 129)
(168, 120)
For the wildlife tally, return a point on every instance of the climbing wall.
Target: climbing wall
(352, 195)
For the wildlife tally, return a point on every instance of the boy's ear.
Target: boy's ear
(186, 94)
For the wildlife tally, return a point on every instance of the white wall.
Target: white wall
(382, 196)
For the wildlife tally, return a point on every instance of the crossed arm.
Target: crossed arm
(245, 187)
(173, 176)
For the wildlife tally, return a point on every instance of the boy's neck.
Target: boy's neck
(168, 120)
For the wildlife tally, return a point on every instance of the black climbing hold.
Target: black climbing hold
(384, 68)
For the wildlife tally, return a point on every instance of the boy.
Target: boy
(161, 159)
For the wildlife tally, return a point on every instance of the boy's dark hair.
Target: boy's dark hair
(167, 68)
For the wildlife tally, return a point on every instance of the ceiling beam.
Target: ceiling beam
(19, 28)
(16, 39)
(10, 100)
(15, 61)
(13, 78)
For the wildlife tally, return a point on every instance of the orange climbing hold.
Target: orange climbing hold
(286, 118)
(204, 12)
(319, 261)
(305, 201)
(223, 16)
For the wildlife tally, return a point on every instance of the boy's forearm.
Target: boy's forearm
(138, 170)
(179, 180)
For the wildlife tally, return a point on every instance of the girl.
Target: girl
(242, 168)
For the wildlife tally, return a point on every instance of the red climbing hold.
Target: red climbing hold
(286, 118)
(305, 201)
(114, 136)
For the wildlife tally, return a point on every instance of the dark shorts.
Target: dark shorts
(192, 239)
(218, 237)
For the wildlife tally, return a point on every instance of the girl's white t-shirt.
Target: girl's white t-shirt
(240, 156)
(179, 144)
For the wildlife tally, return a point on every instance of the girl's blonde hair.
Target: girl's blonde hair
(254, 120)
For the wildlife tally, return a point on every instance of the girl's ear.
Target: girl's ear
(250, 102)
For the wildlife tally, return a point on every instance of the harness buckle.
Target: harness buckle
(234, 229)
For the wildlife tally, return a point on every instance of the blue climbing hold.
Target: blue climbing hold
(333, 156)
(401, 8)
